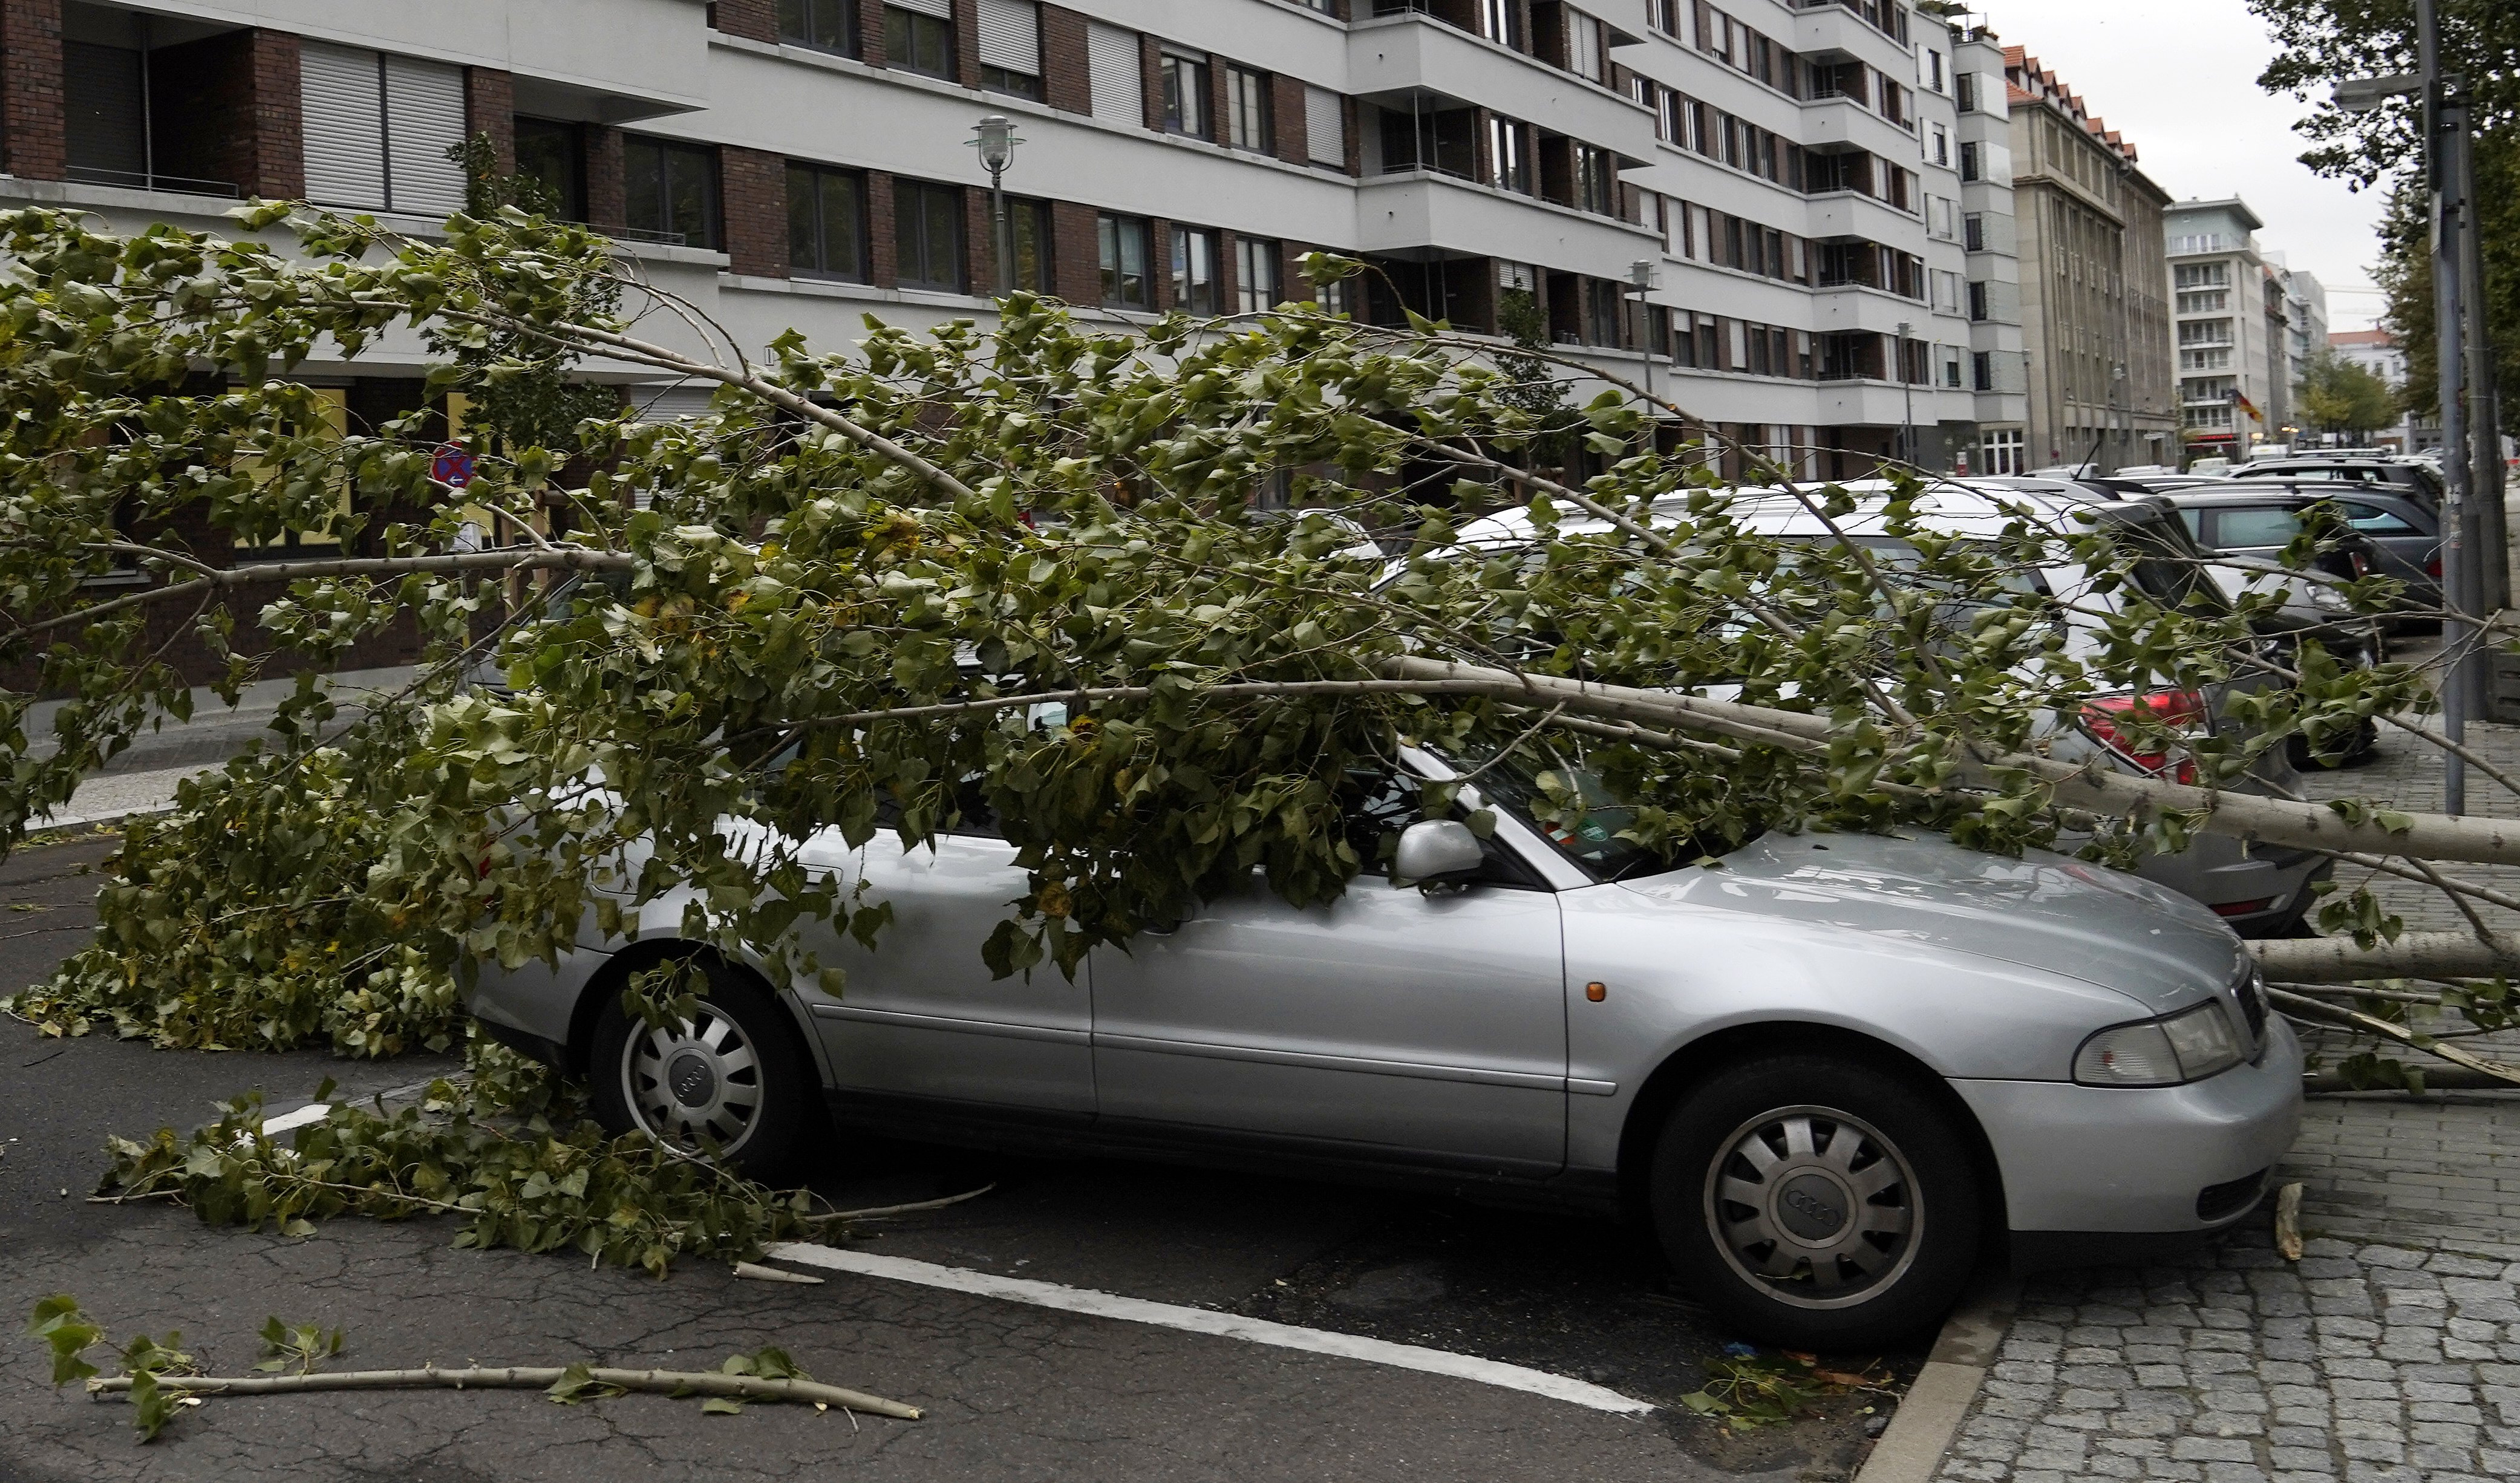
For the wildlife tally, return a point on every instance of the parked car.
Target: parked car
(2417, 478)
(2262, 891)
(2395, 532)
(1830, 1070)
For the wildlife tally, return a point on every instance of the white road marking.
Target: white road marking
(1085, 1300)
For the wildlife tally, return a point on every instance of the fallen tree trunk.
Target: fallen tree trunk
(2414, 955)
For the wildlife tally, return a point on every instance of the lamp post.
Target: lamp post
(2458, 338)
(996, 139)
(1642, 276)
(1907, 395)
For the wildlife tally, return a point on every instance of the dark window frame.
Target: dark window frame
(935, 203)
(1112, 234)
(1190, 292)
(1181, 80)
(665, 221)
(904, 33)
(824, 26)
(816, 179)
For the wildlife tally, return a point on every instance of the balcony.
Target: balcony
(1395, 59)
(1831, 122)
(1852, 213)
(1422, 214)
(1826, 30)
(596, 61)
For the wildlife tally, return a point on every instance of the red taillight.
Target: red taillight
(2432, 568)
(2244, 908)
(2174, 710)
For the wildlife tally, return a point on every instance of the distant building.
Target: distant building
(1990, 238)
(2234, 328)
(2094, 321)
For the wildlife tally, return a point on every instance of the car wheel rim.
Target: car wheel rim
(696, 1088)
(1814, 1206)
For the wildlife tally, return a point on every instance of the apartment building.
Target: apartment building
(1999, 369)
(2096, 321)
(1758, 203)
(2234, 328)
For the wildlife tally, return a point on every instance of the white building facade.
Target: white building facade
(2233, 328)
(1784, 178)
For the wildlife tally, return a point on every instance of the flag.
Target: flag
(2247, 406)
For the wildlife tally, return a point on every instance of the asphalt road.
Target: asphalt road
(1012, 1391)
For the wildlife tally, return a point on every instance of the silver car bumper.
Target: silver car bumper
(535, 999)
(2155, 1159)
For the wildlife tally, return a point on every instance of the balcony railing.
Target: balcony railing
(143, 179)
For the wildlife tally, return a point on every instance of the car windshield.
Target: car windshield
(1550, 785)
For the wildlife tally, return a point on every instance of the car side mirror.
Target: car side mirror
(1435, 849)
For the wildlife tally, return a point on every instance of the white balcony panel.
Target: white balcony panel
(1829, 31)
(620, 59)
(1854, 308)
(1402, 53)
(1851, 214)
(1831, 121)
(1397, 213)
(1877, 404)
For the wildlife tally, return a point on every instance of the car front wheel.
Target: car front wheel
(1817, 1202)
(728, 1085)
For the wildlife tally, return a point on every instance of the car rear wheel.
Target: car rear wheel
(1817, 1202)
(728, 1085)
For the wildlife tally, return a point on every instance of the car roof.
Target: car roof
(1959, 507)
(2257, 493)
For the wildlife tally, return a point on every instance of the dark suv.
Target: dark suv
(2414, 479)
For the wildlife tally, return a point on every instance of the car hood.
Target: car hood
(2042, 910)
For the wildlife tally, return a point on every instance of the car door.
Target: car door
(2407, 536)
(1396, 1023)
(919, 1015)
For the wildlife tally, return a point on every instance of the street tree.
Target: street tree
(2337, 395)
(845, 597)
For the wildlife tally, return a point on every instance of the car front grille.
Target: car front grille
(2252, 994)
(2222, 1201)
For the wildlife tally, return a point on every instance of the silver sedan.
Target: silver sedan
(1833, 1070)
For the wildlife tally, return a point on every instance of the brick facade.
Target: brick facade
(1286, 116)
(752, 199)
(237, 97)
(1076, 252)
(1066, 84)
(883, 253)
(606, 199)
(490, 107)
(966, 43)
(33, 144)
(754, 20)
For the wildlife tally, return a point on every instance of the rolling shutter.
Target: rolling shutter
(1324, 127)
(942, 9)
(341, 90)
(424, 119)
(1112, 71)
(1011, 35)
(103, 86)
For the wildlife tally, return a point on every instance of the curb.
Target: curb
(1929, 1416)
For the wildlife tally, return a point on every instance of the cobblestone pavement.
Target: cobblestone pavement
(2390, 1352)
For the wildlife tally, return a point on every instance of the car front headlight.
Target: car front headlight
(2188, 1046)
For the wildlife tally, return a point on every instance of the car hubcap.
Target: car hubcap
(694, 1087)
(1813, 1205)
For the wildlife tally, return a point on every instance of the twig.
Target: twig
(876, 1211)
(2504, 1072)
(671, 1382)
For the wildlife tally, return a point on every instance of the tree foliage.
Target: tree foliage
(880, 587)
(2337, 395)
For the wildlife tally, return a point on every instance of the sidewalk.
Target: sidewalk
(2391, 1352)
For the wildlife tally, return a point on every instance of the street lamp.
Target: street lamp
(1644, 275)
(1908, 395)
(996, 139)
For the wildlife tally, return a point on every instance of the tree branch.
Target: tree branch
(261, 573)
(668, 1382)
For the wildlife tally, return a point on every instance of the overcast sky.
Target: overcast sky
(2178, 79)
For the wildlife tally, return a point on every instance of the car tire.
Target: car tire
(1817, 1202)
(730, 1086)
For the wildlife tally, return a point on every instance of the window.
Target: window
(1028, 224)
(554, 153)
(1582, 45)
(2004, 449)
(1964, 91)
(1969, 160)
(1977, 300)
(1982, 370)
(1195, 259)
(1256, 288)
(377, 128)
(1501, 21)
(670, 190)
(825, 223)
(919, 37)
(1973, 232)
(1009, 37)
(928, 234)
(1324, 127)
(2371, 520)
(825, 24)
(1509, 155)
(1942, 145)
(1934, 71)
(1185, 83)
(1601, 318)
(1594, 180)
(2207, 302)
(1950, 355)
(1248, 125)
(1126, 248)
